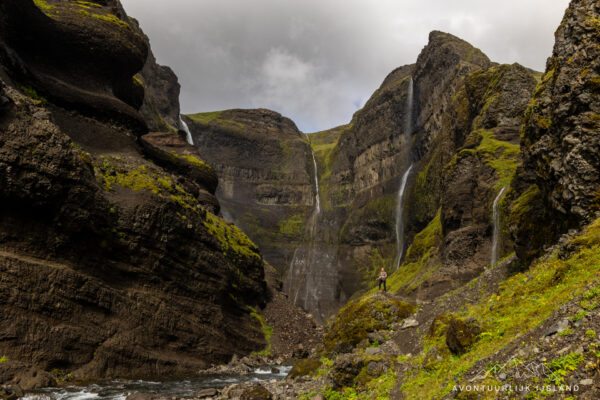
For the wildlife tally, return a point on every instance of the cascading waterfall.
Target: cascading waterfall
(496, 234)
(400, 218)
(184, 127)
(407, 155)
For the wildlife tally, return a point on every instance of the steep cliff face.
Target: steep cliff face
(558, 187)
(113, 258)
(265, 174)
(453, 115)
(160, 108)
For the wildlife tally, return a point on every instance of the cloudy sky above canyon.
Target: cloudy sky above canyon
(318, 61)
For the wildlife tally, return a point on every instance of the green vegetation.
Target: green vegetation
(112, 19)
(206, 118)
(292, 226)
(369, 269)
(523, 302)
(44, 6)
(501, 156)
(267, 331)
(215, 117)
(590, 333)
(421, 258)
(3, 359)
(231, 238)
(359, 317)
(143, 177)
(195, 161)
(33, 95)
(88, 4)
(325, 148)
(562, 366)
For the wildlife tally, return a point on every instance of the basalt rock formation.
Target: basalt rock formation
(114, 261)
(558, 187)
(461, 134)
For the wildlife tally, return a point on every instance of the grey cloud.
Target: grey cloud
(317, 61)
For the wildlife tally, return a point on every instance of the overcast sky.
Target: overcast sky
(318, 61)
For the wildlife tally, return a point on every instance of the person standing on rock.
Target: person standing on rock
(381, 279)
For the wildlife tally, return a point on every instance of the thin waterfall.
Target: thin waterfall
(407, 156)
(301, 265)
(184, 127)
(496, 234)
(400, 218)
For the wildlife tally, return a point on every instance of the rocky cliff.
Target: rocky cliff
(454, 116)
(115, 262)
(558, 187)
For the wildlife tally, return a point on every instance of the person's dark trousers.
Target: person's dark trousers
(382, 281)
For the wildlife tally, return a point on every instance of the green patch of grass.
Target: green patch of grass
(109, 172)
(195, 161)
(566, 332)
(267, 331)
(590, 333)
(231, 238)
(563, 366)
(421, 258)
(523, 302)
(215, 117)
(3, 359)
(501, 156)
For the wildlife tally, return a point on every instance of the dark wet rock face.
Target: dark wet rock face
(113, 260)
(102, 277)
(559, 181)
(79, 55)
(160, 108)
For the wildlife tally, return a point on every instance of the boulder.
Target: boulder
(256, 392)
(345, 369)
(304, 367)
(461, 335)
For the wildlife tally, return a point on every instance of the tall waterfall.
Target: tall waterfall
(184, 127)
(407, 155)
(400, 218)
(303, 281)
(496, 234)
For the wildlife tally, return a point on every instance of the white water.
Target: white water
(407, 154)
(400, 218)
(119, 390)
(186, 129)
(303, 281)
(496, 234)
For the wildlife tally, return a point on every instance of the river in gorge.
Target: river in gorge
(120, 389)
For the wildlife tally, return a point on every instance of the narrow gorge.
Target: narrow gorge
(148, 254)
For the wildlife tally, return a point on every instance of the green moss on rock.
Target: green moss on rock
(267, 331)
(231, 238)
(305, 367)
(358, 318)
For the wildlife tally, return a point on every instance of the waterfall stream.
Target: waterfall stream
(407, 157)
(496, 234)
(184, 127)
(300, 277)
(400, 218)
